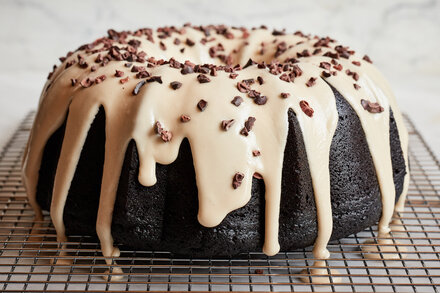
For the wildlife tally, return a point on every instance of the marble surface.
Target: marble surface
(401, 36)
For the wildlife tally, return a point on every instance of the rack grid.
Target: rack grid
(32, 261)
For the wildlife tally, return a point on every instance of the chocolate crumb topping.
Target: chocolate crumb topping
(119, 73)
(158, 127)
(237, 180)
(260, 80)
(187, 69)
(242, 87)
(137, 68)
(156, 78)
(281, 48)
(237, 100)
(260, 100)
(83, 64)
(325, 65)
(73, 81)
(100, 79)
(175, 85)
(87, 82)
(190, 42)
(306, 108)
(166, 135)
(202, 104)
(185, 118)
(311, 82)
(256, 153)
(371, 107)
(338, 67)
(203, 78)
(356, 86)
(70, 63)
(162, 46)
(226, 124)
(285, 77)
(138, 87)
(248, 126)
(233, 75)
(326, 74)
(142, 74)
(357, 63)
(250, 62)
(355, 76)
(93, 68)
(366, 58)
(124, 80)
(285, 95)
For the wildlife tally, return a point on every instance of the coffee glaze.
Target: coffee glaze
(217, 154)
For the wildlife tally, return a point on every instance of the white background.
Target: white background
(401, 36)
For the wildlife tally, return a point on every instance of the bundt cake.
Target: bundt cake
(216, 140)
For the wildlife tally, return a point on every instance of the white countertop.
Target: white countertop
(401, 36)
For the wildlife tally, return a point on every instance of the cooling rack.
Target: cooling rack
(31, 260)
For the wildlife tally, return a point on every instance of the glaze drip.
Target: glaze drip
(139, 90)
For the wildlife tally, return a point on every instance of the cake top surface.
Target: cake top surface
(228, 91)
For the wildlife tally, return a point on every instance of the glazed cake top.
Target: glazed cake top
(228, 91)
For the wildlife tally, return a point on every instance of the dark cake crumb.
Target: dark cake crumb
(256, 153)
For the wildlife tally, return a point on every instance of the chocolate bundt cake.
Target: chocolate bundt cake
(213, 140)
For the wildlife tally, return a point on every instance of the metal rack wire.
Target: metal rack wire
(31, 260)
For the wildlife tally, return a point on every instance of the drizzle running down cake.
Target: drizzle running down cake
(213, 140)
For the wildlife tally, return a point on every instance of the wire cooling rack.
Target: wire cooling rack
(31, 260)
